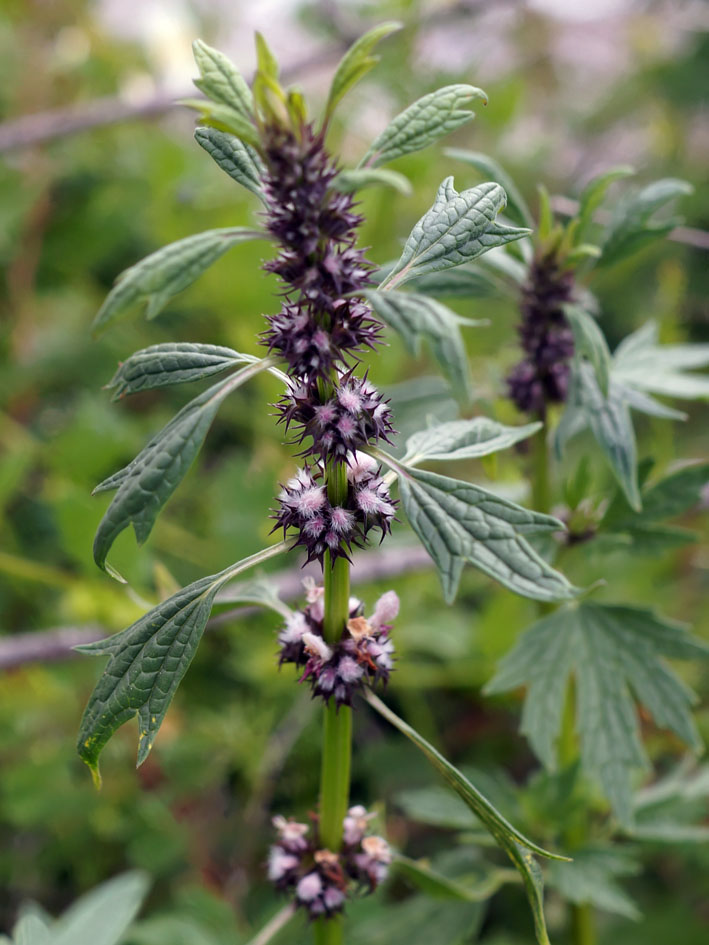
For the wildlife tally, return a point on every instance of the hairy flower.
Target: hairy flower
(353, 416)
(303, 507)
(321, 880)
(322, 322)
(363, 655)
(542, 377)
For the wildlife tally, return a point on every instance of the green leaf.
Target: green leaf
(266, 61)
(514, 843)
(102, 916)
(632, 228)
(237, 159)
(643, 364)
(146, 484)
(31, 930)
(593, 194)
(592, 878)
(356, 63)
(434, 884)
(221, 81)
(168, 271)
(173, 363)
(428, 119)
(464, 439)
(225, 118)
(258, 591)
(458, 522)
(456, 229)
(516, 204)
(612, 650)
(417, 920)
(148, 661)
(590, 342)
(462, 283)
(672, 810)
(416, 317)
(436, 807)
(351, 180)
(609, 421)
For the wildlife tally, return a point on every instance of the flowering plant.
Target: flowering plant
(335, 308)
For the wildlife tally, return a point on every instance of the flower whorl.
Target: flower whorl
(542, 376)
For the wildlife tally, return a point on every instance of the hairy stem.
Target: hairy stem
(337, 725)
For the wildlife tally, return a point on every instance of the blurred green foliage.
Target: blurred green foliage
(77, 211)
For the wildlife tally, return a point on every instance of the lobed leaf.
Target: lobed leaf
(416, 317)
(464, 439)
(146, 484)
(611, 650)
(643, 364)
(516, 204)
(425, 121)
(168, 271)
(515, 844)
(356, 63)
(458, 227)
(632, 228)
(592, 878)
(458, 522)
(147, 663)
(173, 363)
(221, 81)
(236, 158)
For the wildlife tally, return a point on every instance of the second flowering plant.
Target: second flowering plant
(335, 307)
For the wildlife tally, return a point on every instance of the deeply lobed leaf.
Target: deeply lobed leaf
(611, 650)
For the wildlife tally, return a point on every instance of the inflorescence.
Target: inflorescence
(322, 880)
(362, 655)
(322, 329)
(542, 376)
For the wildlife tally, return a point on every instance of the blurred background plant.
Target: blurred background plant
(106, 170)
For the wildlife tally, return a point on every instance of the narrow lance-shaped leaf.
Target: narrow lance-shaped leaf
(356, 63)
(350, 181)
(457, 228)
(464, 439)
(221, 80)
(516, 204)
(416, 317)
(168, 271)
(590, 342)
(173, 363)
(148, 661)
(236, 158)
(103, 915)
(458, 522)
(593, 194)
(610, 423)
(146, 484)
(611, 650)
(515, 844)
(423, 122)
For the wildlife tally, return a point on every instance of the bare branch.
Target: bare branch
(53, 645)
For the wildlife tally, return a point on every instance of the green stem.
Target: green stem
(337, 724)
(583, 930)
